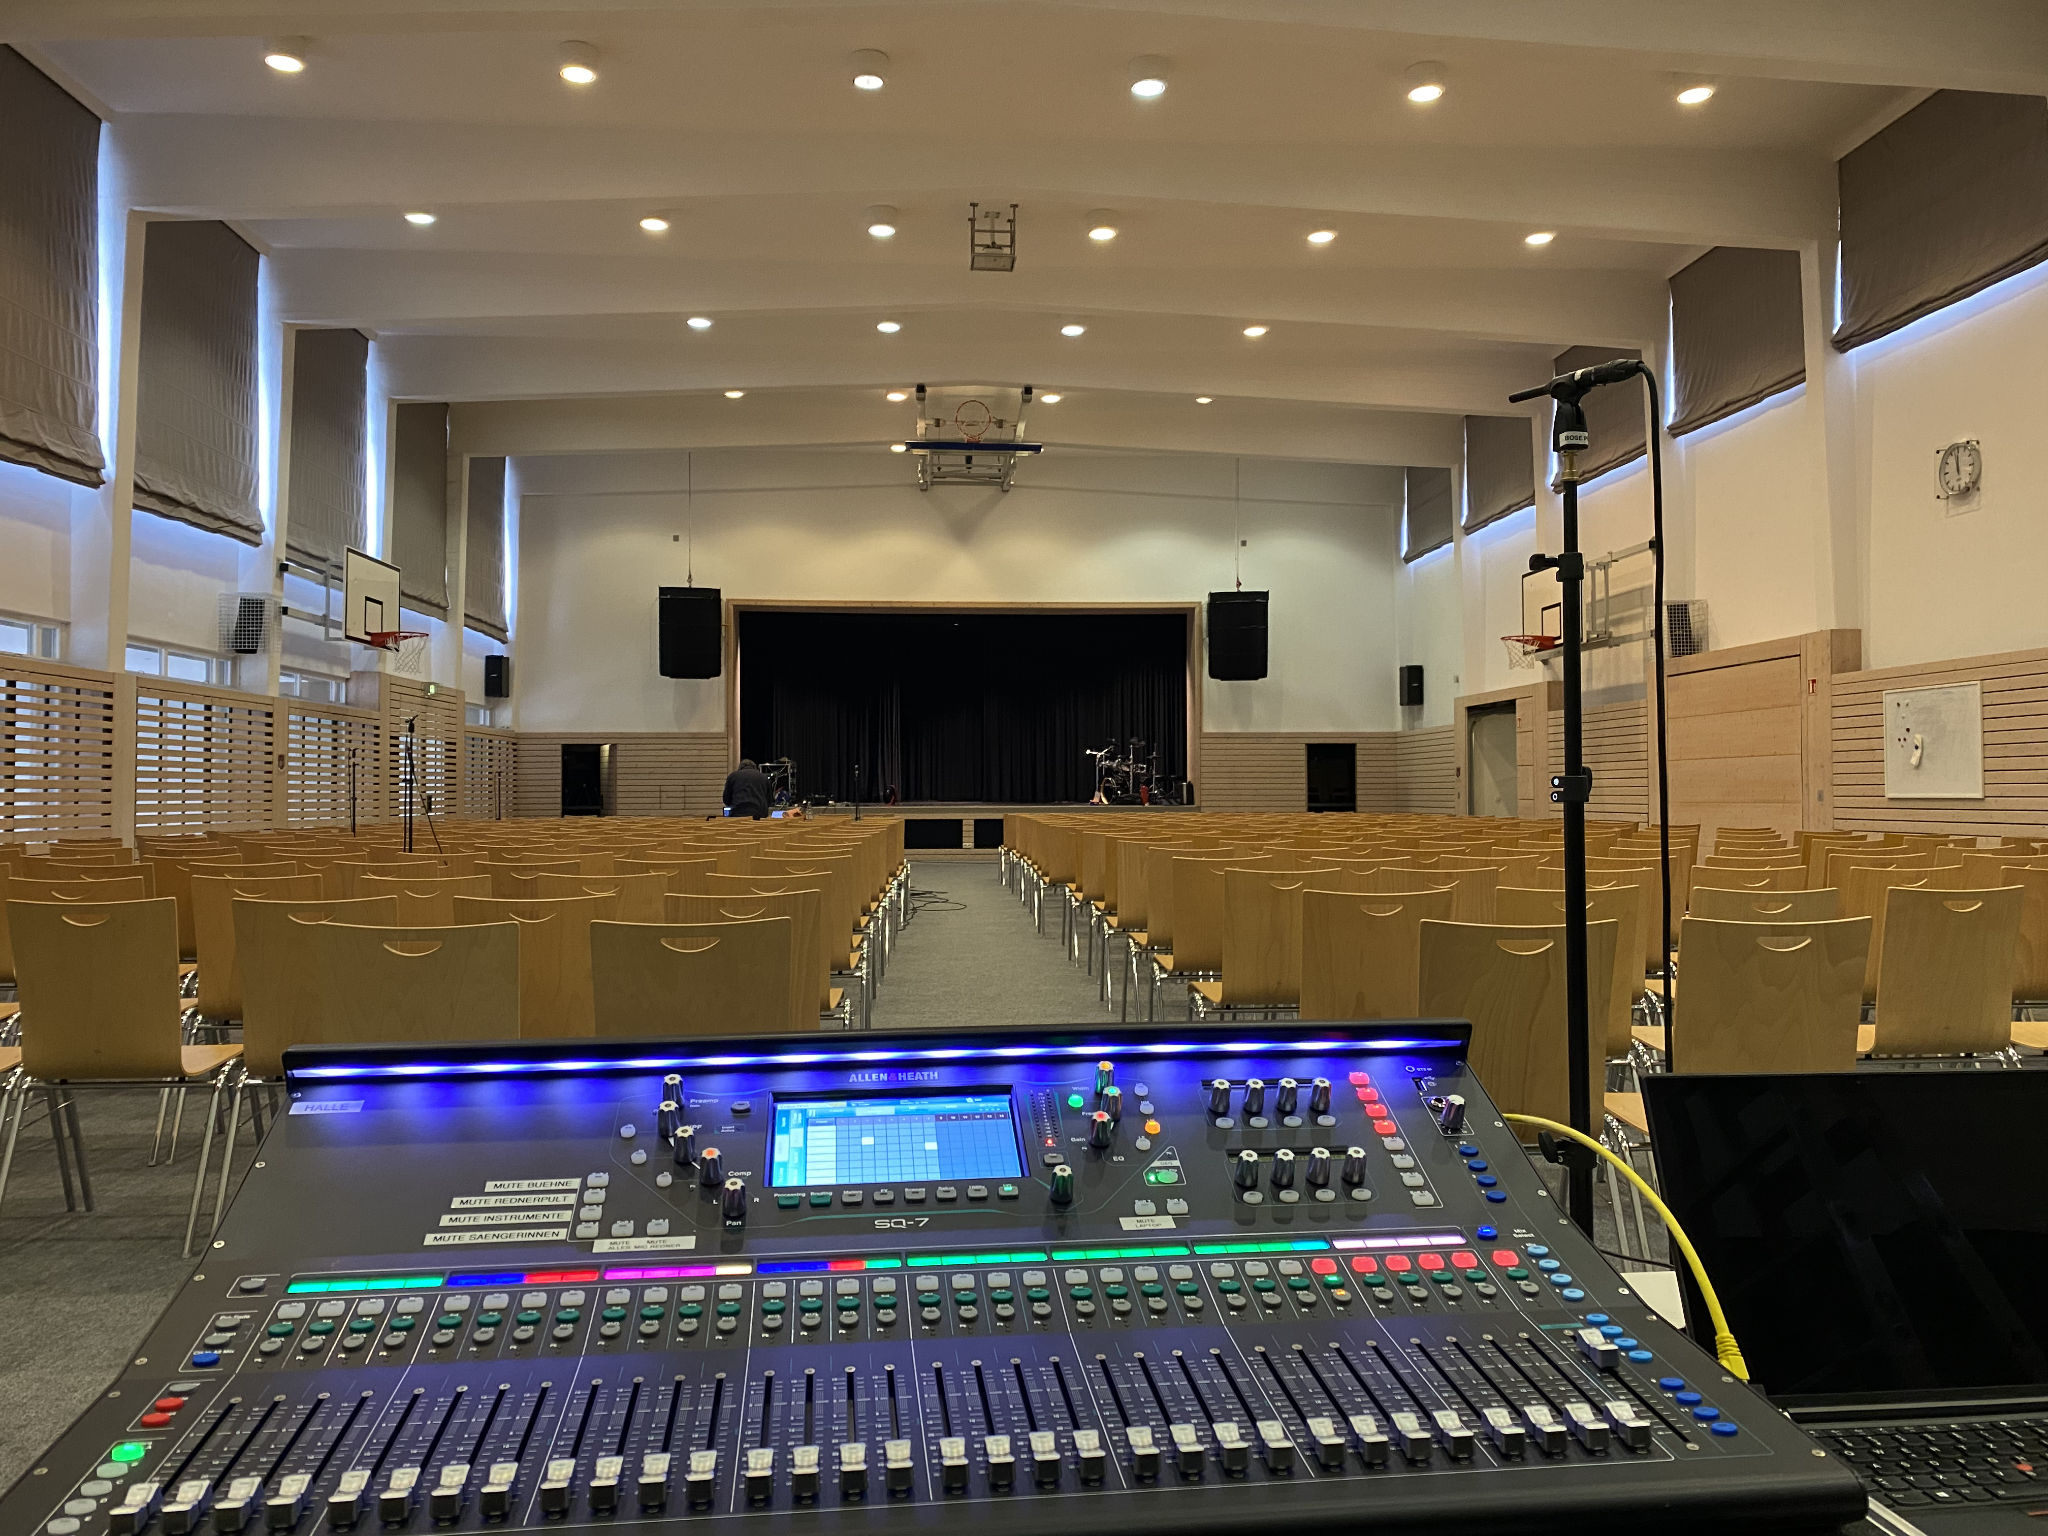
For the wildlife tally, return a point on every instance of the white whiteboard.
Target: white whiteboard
(1934, 743)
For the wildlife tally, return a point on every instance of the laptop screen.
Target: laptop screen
(1871, 1235)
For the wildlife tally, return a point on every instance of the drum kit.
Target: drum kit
(1131, 779)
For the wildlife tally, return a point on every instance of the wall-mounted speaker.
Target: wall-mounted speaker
(1237, 636)
(497, 677)
(691, 632)
(1411, 684)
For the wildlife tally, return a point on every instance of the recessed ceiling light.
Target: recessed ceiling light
(1073, 330)
(1322, 236)
(1695, 95)
(735, 394)
(882, 221)
(422, 219)
(1102, 226)
(654, 224)
(1255, 331)
(870, 66)
(899, 448)
(287, 55)
(1205, 399)
(1051, 399)
(699, 322)
(888, 327)
(899, 396)
(1426, 82)
(1539, 237)
(579, 64)
(1148, 77)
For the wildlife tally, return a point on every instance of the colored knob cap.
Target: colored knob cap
(1246, 1171)
(1105, 1074)
(1319, 1166)
(734, 1203)
(1219, 1096)
(1062, 1185)
(1283, 1169)
(710, 1168)
(1254, 1096)
(1113, 1103)
(1319, 1096)
(1286, 1096)
(1101, 1130)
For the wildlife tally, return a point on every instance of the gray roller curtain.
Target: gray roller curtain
(330, 384)
(1429, 512)
(1615, 413)
(419, 507)
(49, 270)
(483, 606)
(1736, 333)
(195, 410)
(1947, 200)
(1500, 468)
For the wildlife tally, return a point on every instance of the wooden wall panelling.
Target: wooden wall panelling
(1616, 745)
(332, 755)
(488, 789)
(59, 767)
(1426, 768)
(204, 757)
(675, 773)
(1268, 770)
(1379, 772)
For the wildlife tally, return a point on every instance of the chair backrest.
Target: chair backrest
(656, 979)
(1510, 982)
(1473, 902)
(98, 984)
(1262, 933)
(811, 978)
(2030, 970)
(1159, 890)
(833, 877)
(1864, 889)
(554, 957)
(670, 869)
(1774, 879)
(1623, 904)
(1721, 905)
(1360, 952)
(213, 931)
(424, 901)
(1648, 878)
(280, 990)
(30, 888)
(173, 878)
(627, 898)
(1988, 868)
(1770, 996)
(406, 985)
(1839, 860)
(1944, 977)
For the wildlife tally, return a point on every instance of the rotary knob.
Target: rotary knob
(1113, 1103)
(1219, 1096)
(1354, 1166)
(672, 1088)
(1105, 1074)
(1319, 1166)
(1450, 1114)
(734, 1203)
(1245, 1172)
(685, 1145)
(1288, 1095)
(710, 1168)
(1254, 1096)
(1063, 1185)
(1283, 1169)
(668, 1119)
(1319, 1096)
(1101, 1130)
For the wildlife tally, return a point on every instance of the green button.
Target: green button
(811, 1303)
(489, 1319)
(282, 1330)
(690, 1309)
(774, 1304)
(1006, 1191)
(652, 1310)
(1074, 1101)
(528, 1317)
(568, 1314)
(1162, 1175)
(885, 1303)
(129, 1450)
(728, 1309)
(789, 1202)
(1000, 1294)
(402, 1324)
(1379, 1280)
(1297, 1282)
(1116, 1290)
(1188, 1288)
(449, 1320)
(849, 1303)
(1227, 1287)
(613, 1314)
(928, 1298)
(321, 1325)
(1444, 1277)
(1264, 1283)
(1334, 1282)
(1038, 1293)
(1081, 1292)
(1518, 1274)
(821, 1197)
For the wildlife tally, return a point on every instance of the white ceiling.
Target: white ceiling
(738, 122)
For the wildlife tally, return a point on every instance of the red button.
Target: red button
(1397, 1263)
(1431, 1261)
(169, 1404)
(1365, 1264)
(1359, 1079)
(1323, 1266)
(1505, 1258)
(1465, 1260)
(155, 1420)
(1385, 1128)
(1370, 1095)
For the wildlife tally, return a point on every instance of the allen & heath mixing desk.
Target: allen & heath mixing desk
(1197, 1278)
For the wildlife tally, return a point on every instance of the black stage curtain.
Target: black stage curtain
(960, 707)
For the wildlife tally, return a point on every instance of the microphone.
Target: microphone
(1582, 379)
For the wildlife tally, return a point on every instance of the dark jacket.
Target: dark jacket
(746, 792)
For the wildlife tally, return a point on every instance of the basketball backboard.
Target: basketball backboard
(369, 596)
(1542, 604)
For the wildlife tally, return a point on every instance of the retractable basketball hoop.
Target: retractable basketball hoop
(408, 648)
(1524, 650)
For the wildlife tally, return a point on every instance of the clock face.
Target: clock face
(1962, 466)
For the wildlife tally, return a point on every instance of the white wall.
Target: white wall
(35, 544)
(599, 533)
(1432, 636)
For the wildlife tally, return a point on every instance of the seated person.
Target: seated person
(746, 791)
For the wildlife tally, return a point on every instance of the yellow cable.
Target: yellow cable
(1725, 1348)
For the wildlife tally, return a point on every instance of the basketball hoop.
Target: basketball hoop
(408, 648)
(972, 419)
(1524, 649)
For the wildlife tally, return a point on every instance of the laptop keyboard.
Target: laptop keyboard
(1971, 1461)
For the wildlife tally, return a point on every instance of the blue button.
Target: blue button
(1574, 1294)
(1559, 1279)
(1476, 1164)
(1486, 1181)
(1687, 1399)
(1548, 1264)
(1610, 1330)
(1621, 1343)
(1641, 1356)
(1596, 1318)
(1706, 1414)
(1671, 1383)
(1723, 1427)
(1497, 1196)
(1536, 1251)
(1487, 1234)
(205, 1357)
(1466, 1149)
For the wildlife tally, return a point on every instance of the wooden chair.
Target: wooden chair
(671, 870)
(632, 898)
(1719, 904)
(28, 888)
(515, 881)
(1520, 907)
(280, 990)
(173, 878)
(1261, 968)
(1360, 952)
(660, 979)
(554, 958)
(1945, 975)
(100, 1001)
(1474, 888)
(834, 1002)
(424, 901)
(213, 930)
(412, 985)
(810, 981)
(1771, 996)
(1509, 981)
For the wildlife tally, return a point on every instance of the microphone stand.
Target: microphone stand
(856, 791)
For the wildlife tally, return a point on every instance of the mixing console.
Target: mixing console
(1205, 1278)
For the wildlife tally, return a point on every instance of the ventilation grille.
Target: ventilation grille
(245, 621)
(1685, 625)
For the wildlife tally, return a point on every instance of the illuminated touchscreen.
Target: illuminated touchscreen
(904, 1139)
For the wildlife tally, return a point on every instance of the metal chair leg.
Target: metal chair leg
(13, 1096)
(78, 1150)
(177, 1123)
(163, 1106)
(205, 1156)
(63, 1152)
(227, 1160)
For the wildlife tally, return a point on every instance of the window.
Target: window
(477, 714)
(316, 686)
(179, 666)
(145, 658)
(31, 637)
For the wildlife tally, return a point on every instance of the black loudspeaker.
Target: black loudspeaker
(1411, 685)
(691, 637)
(497, 677)
(1237, 636)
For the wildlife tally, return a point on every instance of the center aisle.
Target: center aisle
(972, 958)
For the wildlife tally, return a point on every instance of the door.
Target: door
(1332, 776)
(582, 778)
(1492, 770)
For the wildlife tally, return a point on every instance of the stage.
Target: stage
(980, 824)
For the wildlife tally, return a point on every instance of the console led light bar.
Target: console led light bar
(941, 1260)
(1116, 1255)
(817, 1266)
(1407, 1240)
(364, 1286)
(680, 1272)
(1283, 1245)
